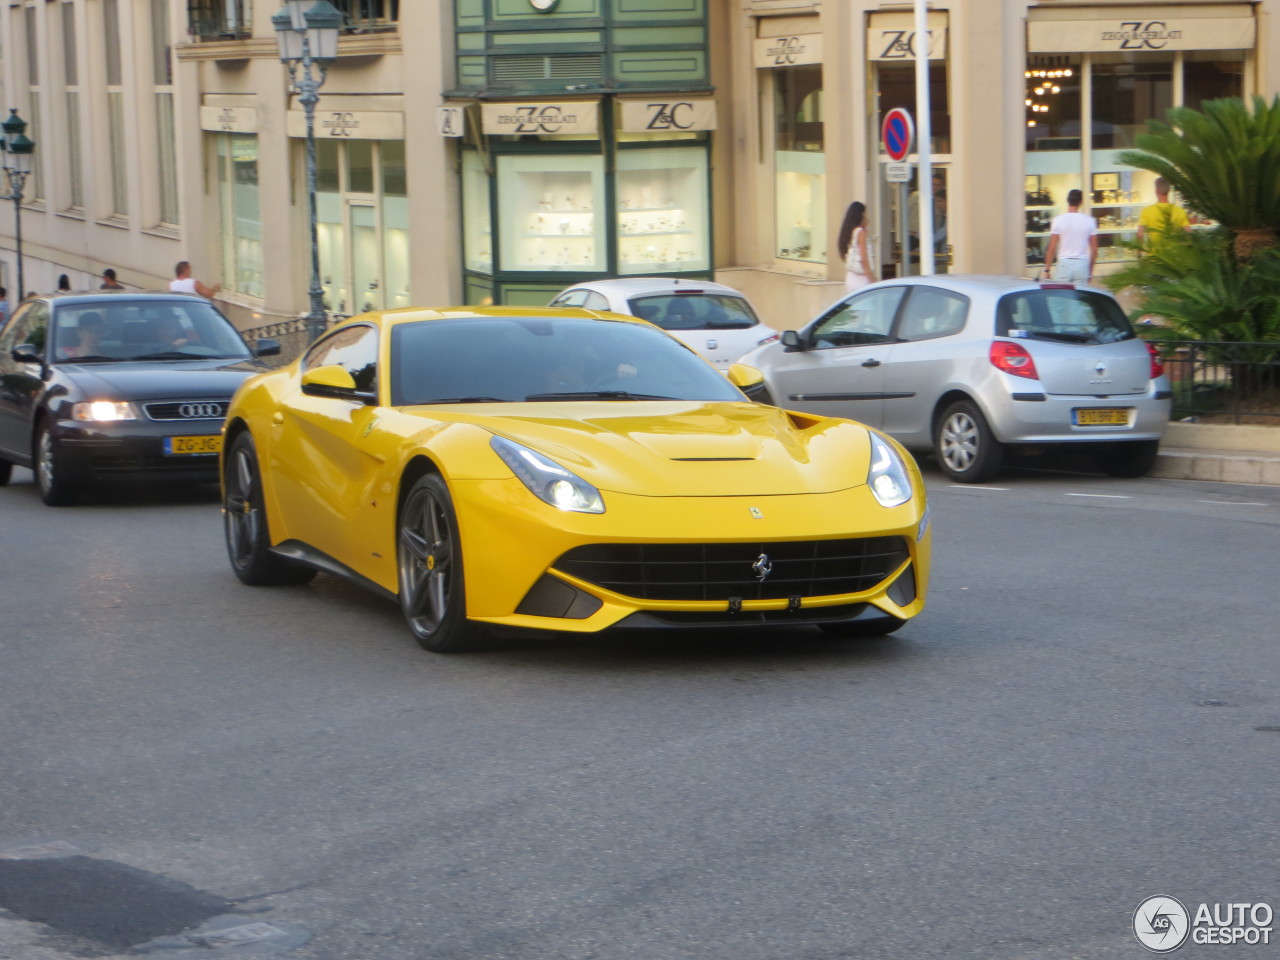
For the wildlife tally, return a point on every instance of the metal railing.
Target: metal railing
(369, 16)
(1223, 382)
(218, 19)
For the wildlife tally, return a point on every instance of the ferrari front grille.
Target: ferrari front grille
(745, 571)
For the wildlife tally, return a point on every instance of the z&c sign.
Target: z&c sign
(647, 116)
(543, 119)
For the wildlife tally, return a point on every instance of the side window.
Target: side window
(355, 349)
(30, 325)
(570, 298)
(867, 318)
(930, 313)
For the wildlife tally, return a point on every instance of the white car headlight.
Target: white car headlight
(547, 480)
(887, 476)
(102, 411)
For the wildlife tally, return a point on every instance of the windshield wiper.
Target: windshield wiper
(597, 395)
(89, 356)
(170, 355)
(462, 400)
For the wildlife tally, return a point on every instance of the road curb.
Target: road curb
(1226, 466)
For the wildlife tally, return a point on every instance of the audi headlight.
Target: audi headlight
(887, 476)
(547, 480)
(102, 411)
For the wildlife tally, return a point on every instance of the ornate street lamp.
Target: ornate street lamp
(307, 34)
(17, 150)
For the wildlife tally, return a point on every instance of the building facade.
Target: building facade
(497, 150)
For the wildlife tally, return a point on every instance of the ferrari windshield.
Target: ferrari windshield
(513, 359)
(121, 329)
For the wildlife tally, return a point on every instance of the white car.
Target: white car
(712, 319)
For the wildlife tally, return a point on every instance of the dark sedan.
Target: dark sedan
(118, 384)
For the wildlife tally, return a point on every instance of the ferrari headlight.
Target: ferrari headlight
(102, 411)
(547, 479)
(887, 476)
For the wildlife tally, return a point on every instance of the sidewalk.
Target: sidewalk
(1228, 453)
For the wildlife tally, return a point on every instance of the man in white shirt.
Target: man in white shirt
(1074, 241)
(184, 282)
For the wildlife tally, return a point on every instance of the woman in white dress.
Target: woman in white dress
(854, 249)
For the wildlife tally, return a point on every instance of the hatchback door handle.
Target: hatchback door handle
(873, 362)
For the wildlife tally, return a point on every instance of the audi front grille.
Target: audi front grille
(724, 571)
(187, 410)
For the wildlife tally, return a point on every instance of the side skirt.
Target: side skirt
(298, 552)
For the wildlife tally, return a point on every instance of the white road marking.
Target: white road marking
(1100, 496)
(1234, 503)
(969, 486)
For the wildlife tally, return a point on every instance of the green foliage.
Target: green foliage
(1224, 161)
(1196, 284)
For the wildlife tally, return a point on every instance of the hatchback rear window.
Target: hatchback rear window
(1064, 315)
(694, 311)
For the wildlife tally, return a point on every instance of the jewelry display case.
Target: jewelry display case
(662, 221)
(549, 205)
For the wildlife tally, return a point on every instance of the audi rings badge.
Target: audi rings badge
(200, 411)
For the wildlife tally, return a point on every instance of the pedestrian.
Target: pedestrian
(4, 305)
(184, 282)
(1161, 221)
(854, 248)
(109, 281)
(1073, 241)
(64, 284)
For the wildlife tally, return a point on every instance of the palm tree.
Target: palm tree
(1224, 160)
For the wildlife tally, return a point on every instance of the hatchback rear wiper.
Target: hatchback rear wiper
(597, 395)
(1066, 337)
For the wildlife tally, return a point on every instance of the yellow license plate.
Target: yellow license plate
(1102, 417)
(192, 446)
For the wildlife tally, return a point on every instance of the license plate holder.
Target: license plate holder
(1100, 416)
(202, 445)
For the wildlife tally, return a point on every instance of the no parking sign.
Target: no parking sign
(897, 133)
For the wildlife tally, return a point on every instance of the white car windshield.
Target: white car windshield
(694, 310)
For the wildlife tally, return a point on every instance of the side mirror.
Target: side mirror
(267, 348)
(744, 377)
(791, 341)
(26, 353)
(334, 381)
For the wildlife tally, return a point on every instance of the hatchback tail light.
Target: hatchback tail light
(1157, 365)
(1013, 358)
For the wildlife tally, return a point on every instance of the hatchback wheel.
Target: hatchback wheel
(433, 592)
(245, 522)
(967, 450)
(1132, 458)
(57, 486)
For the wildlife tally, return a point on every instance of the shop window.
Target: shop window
(1211, 75)
(556, 209)
(1128, 90)
(362, 224)
(800, 193)
(896, 88)
(662, 210)
(477, 229)
(241, 212)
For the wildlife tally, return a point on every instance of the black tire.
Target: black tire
(967, 450)
(244, 522)
(57, 485)
(6, 471)
(1132, 458)
(433, 593)
(854, 629)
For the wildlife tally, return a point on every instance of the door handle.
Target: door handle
(873, 362)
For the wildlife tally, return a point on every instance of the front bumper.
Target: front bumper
(134, 448)
(512, 554)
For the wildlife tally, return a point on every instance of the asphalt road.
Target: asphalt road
(1087, 715)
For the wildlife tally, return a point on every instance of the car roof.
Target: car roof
(104, 296)
(640, 286)
(414, 314)
(984, 283)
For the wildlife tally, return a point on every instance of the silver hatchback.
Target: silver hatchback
(967, 365)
